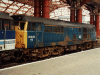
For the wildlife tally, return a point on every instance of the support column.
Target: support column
(37, 8)
(97, 25)
(45, 8)
(79, 14)
(91, 18)
(72, 14)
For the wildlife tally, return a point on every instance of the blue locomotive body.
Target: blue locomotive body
(48, 36)
(41, 32)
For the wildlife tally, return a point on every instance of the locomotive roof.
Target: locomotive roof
(5, 16)
(50, 21)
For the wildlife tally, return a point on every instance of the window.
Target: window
(48, 29)
(12, 26)
(88, 30)
(84, 29)
(89, 36)
(80, 30)
(0, 24)
(29, 26)
(62, 29)
(91, 30)
(16, 23)
(56, 29)
(22, 25)
(34, 26)
(84, 36)
(5, 23)
(39, 27)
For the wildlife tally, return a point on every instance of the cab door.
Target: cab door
(39, 34)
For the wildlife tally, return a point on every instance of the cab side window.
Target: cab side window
(33, 26)
(39, 27)
(56, 29)
(48, 29)
(62, 29)
(29, 26)
(5, 23)
(22, 25)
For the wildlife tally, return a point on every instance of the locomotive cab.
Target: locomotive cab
(26, 34)
(21, 35)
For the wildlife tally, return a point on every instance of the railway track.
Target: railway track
(9, 63)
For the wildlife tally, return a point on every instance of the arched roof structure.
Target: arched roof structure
(26, 6)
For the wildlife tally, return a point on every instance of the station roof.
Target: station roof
(27, 6)
(92, 5)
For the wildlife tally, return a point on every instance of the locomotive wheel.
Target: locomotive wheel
(18, 56)
(83, 47)
(57, 51)
(35, 58)
(88, 45)
(61, 50)
(25, 58)
(49, 54)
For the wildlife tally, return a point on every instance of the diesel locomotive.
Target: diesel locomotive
(41, 37)
(28, 38)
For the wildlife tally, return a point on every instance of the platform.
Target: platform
(80, 63)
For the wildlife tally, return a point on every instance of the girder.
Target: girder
(28, 10)
(84, 2)
(8, 6)
(19, 9)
